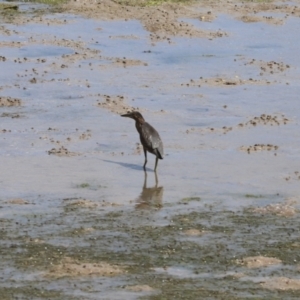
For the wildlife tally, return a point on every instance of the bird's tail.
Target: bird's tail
(158, 154)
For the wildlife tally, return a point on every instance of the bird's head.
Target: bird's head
(135, 115)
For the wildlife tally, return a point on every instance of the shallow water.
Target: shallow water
(204, 182)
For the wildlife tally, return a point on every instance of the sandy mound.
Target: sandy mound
(284, 209)
(8, 101)
(281, 283)
(115, 104)
(140, 288)
(193, 232)
(72, 268)
(62, 151)
(258, 261)
(18, 201)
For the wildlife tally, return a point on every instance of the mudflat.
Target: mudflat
(80, 219)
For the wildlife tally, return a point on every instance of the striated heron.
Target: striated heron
(149, 137)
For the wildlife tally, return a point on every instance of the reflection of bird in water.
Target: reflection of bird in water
(149, 137)
(150, 197)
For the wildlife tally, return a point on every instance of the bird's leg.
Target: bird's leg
(155, 164)
(145, 181)
(156, 179)
(145, 152)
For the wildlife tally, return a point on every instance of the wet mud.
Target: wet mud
(80, 219)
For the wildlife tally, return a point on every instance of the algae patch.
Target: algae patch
(253, 196)
(7, 7)
(50, 2)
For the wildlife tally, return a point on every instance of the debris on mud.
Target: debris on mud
(267, 120)
(263, 119)
(5, 130)
(116, 104)
(270, 67)
(285, 209)
(219, 81)
(125, 62)
(10, 115)
(293, 176)
(9, 101)
(85, 135)
(62, 151)
(267, 19)
(81, 52)
(259, 147)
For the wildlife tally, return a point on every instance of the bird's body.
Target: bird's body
(149, 137)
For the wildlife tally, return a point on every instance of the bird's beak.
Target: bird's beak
(128, 115)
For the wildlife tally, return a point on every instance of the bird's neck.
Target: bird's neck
(138, 124)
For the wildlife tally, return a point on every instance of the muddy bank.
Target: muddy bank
(150, 254)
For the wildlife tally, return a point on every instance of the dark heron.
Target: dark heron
(150, 138)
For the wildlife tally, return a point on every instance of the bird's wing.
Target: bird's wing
(159, 147)
(152, 139)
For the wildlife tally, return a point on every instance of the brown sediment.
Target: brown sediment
(139, 288)
(72, 268)
(115, 104)
(286, 209)
(194, 232)
(259, 147)
(281, 283)
(18, 201)
(262, 120)
(258, 261)
(62, 151)
(223, 81)
(9, 101)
